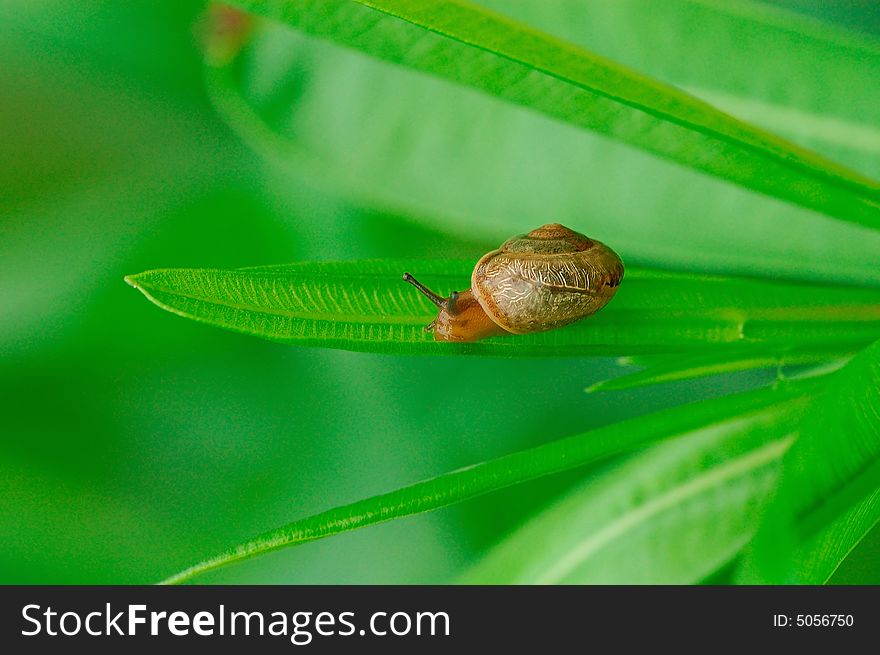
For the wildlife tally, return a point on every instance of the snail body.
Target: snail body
(534, 282)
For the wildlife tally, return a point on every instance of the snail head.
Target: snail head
(460, 316)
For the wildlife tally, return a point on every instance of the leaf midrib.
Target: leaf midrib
(384, 319)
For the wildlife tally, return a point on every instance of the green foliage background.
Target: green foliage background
(135, 443)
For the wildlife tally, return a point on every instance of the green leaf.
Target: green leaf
(673, 515)
(517, 467)
(792, 75)
(465, 43)
(393, 137)
(829, 492)
(738, 357)
(365, 306)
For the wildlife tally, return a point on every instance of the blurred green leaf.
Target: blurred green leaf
(793, 75)
(638, 523)
(366, 306)
(391, 136)
(465, 43)
(829, 492)
(719, 360)
(512, 469)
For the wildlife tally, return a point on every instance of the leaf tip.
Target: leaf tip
(131, 280)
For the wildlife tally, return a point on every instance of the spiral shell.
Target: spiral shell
(545, 279)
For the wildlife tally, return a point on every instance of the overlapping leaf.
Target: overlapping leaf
(736, 414)
(471, 45)
(829, 493)
(639, 523)
(390, 136)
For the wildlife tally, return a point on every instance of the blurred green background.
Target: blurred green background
(135, 442)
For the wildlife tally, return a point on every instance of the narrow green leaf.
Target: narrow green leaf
(792, 75)
(465, 43)
(739, 357)
(829, 493)
(365, 306)
(512, 469)
(673, 515)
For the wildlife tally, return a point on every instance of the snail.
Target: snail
(534, 282)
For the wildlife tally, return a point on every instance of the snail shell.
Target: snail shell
(545, 279)
(534, 282)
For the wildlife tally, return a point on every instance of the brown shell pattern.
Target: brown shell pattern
(545, 279)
